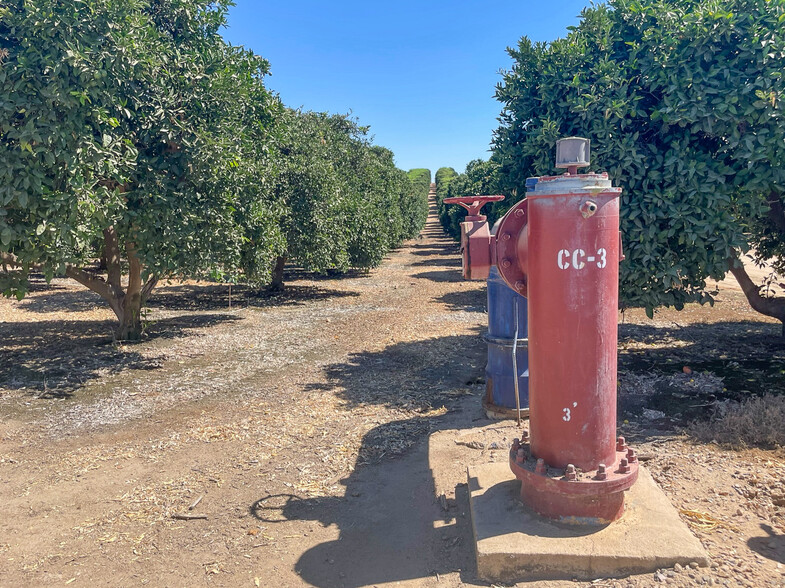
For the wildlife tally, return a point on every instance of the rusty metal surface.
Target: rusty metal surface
(561, 247)
(511, 247)
(571, 494)
(475, 249)
(475, 236)
(573, 274)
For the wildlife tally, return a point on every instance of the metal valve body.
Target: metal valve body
(561, 247)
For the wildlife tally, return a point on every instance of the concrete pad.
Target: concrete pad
(512, 543)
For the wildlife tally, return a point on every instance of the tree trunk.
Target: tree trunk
(277, 282)
(126, 304)
(769, 306)
(130, 328)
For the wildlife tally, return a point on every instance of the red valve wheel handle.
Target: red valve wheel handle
(473, 204)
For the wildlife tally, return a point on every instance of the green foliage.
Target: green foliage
(683, 102)
(421, 179)
(132, 131)
(134, 116)
(340, 201)
(444, 175)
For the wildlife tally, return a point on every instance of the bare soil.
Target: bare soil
(297, 424)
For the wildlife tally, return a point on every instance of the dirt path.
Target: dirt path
(299, 423)
(279, 398)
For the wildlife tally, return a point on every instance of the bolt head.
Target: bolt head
(520, 285)
(621, 444)
(602, 473)
(519, 213)
(506, 263)
(506, 237)
(631, 457)
(520, 456)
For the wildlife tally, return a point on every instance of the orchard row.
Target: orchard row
(137, 145)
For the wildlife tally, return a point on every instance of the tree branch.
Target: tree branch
(112, 255)
(90, 281)
(9, 259)
(773, 306)
(776, 211)
(134, 270)
(147, 289)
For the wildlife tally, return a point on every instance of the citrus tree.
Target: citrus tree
(129, 131)
(683, 102)
(341, 203)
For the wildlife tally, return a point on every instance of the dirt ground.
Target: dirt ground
(296, 425)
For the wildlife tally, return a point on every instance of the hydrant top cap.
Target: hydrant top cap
(573, 152)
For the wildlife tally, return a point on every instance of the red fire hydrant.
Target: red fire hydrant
(561, 248)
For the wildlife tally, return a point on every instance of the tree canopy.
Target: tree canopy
(683, 102)
(342, 202)
(133, 133)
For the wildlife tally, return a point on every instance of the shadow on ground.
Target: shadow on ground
(216, 296)
(771, 546)
(450, 275)
(466, 300)
(414, 374)
(748, 356)
(453, 261)
(59, 299)
(54, 358)
(391, 526)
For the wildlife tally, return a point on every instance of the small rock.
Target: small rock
(653, 415)
(678, 567)
(659, 577)
(694, 565)
(471, 444)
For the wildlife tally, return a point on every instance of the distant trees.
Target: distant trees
(421, 180)
(444, 176)
(132, 132)
(341, 203)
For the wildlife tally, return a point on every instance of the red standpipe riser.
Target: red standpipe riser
(573, 275)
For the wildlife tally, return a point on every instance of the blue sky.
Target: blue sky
(421, 74)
